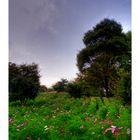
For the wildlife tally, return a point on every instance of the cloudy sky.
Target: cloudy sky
(50, 32)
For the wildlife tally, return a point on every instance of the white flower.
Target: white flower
(46, 128)
(128, 131)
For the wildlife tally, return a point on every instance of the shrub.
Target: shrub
(125, 92)
(43, 88)
(23, 81)
(74, 89)
(60, 85)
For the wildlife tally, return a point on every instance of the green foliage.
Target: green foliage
(42, 88)
(60, 85)
(51, 119)
(23, 81)
(102, 112)
(106, 50)
(124, 88)
(105, 38)
(74, 89)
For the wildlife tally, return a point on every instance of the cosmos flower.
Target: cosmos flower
(120, 128)
(46, 127)
(128, 131)
(82, 126)
(22, 124)
(113, 128)
(87, 118)
(117, 133)
(10, 120)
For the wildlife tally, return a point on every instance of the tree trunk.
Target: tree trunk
(106, 87)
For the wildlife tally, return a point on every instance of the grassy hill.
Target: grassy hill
(57, 116)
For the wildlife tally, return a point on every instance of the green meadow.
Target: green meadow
(58, 116)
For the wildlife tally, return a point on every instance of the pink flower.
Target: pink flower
(117, 133)
(10, 120)
(87, 118)
(105, 121)
(94, 121)
(103, 127)
(100, 122)
(20, 125)
(120, 128)
(113, 128)
(107, 130)
(110, 123)
(82, 126)
(47, 117)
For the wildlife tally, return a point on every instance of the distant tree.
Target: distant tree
(74, 89)
(23, 81)
(60, 85)
(43, 88)
(99, 60)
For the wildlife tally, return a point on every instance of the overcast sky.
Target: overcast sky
(50, 32)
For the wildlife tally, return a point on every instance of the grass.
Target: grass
(53, 116)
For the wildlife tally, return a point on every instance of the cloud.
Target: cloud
(28, 17)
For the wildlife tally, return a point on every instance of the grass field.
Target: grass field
(57, 116)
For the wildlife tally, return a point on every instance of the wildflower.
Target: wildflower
(20, 125)
(113, 128)
(117, 133)
(105, 121)
(120, 128)
(110, 123)
(102, 127)
(46, 128)
(94, 121)
(10, 120)
(47, 117)
(82, 126)
(100, 122)
(106, 113)
(118, 116)
(87, 118)
(107, 130)
(128, 131)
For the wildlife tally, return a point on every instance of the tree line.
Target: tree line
(104, 67)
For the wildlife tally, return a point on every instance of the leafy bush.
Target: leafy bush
(60, 85)
(23, 81)
(74, 89)
(43, 88)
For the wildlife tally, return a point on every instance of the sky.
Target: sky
(50, 32)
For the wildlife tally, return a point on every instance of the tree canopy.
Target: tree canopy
(23, 81)
(105, 47)
(60, 85)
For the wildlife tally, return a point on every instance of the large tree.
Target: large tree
(105, 45)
